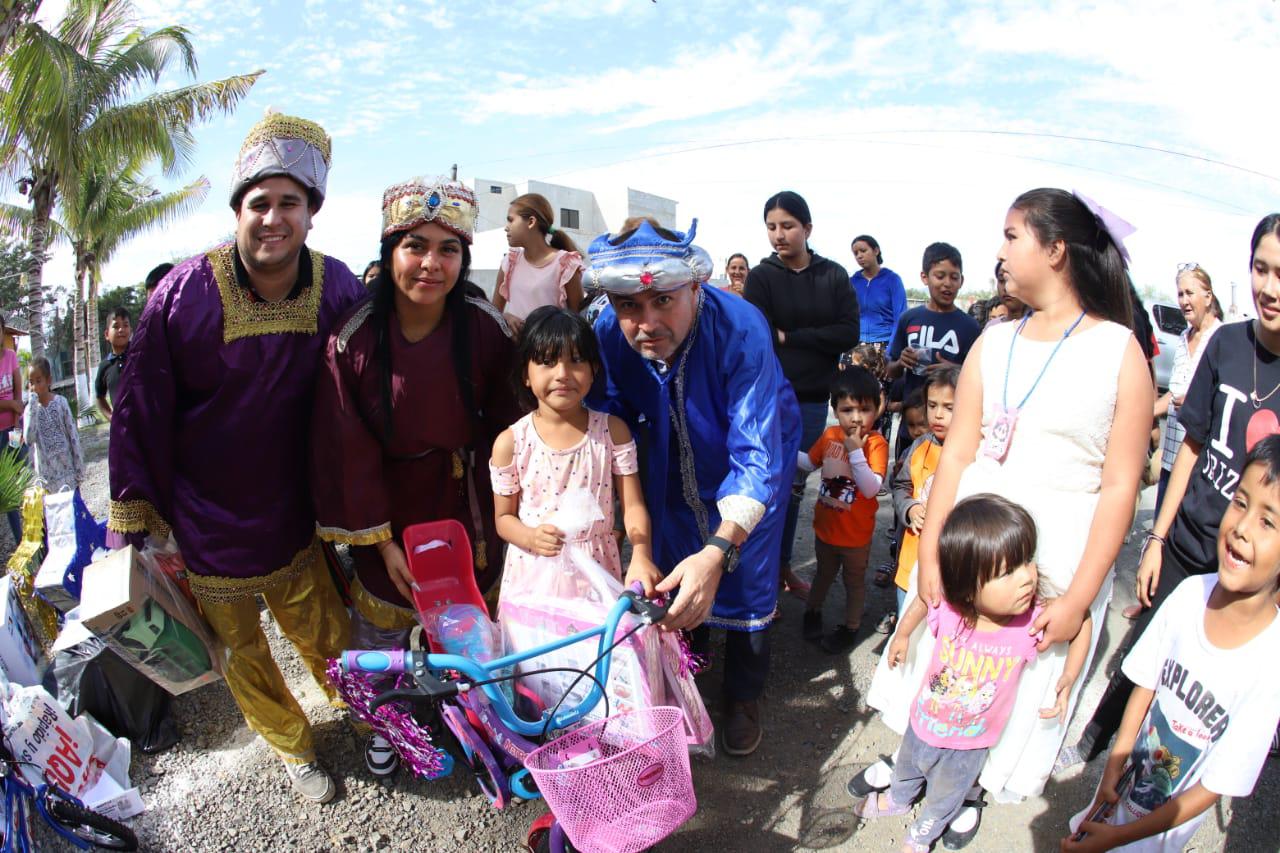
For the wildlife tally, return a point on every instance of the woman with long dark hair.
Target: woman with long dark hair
(813, 315)
(881, 295)
(414, 389)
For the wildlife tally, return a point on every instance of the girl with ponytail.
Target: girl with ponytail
(543, 267)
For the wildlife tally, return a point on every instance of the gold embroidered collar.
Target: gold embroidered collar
(244, 317)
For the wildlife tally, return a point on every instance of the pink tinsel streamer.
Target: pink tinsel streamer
(410, 740)
(690, 663)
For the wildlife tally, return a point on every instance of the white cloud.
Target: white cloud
(695, 84)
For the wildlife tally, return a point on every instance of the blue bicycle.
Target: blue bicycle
(641, 768)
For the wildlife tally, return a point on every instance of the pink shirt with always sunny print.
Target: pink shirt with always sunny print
(971, 681)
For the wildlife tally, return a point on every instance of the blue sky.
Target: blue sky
(913, 121)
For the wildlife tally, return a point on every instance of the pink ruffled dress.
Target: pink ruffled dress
(526, 287)
(541, 475)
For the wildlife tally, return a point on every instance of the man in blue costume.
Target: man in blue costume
(692, 372)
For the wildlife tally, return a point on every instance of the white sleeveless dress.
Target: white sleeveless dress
(1054, 470)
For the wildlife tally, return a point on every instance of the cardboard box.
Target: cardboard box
(146, 620)
(20, 655)
(114, 588)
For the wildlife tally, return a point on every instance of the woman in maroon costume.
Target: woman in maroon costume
(415, 386)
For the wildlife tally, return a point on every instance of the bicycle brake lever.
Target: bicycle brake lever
(649, 612)
(409, 695)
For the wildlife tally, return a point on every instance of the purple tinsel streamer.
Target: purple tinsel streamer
(690, 663)
(410, 740)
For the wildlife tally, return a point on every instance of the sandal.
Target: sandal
(953, 840)
(887, 623)
(879, 804)
(884, 576)
(860, 788)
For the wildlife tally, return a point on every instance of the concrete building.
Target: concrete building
(579, 213)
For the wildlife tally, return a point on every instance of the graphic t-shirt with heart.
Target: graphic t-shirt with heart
(1220, 413)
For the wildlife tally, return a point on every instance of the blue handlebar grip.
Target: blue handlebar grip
(368, 660)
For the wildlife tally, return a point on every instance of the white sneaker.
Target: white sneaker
(380, 757)
(311, 781)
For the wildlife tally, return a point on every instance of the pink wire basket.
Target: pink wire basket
(620, 784)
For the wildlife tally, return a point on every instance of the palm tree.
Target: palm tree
(67, 107)
(106, 208)
(130, 206)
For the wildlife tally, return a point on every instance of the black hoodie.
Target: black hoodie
(816, 309)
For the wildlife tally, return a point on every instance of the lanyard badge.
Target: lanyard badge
(996, 444)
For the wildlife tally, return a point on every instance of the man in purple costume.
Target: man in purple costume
(209, 438)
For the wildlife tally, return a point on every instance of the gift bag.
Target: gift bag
(549, 598)
(36, 729)
(73, 536)
(25, 563)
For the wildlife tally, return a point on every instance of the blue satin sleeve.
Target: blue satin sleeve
(758, 396)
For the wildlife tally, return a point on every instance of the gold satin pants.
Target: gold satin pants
(312, 616)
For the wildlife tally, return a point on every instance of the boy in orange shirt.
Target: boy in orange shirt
(853, 458)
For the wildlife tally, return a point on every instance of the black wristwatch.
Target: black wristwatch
(730, 552)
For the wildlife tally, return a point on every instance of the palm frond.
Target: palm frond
(15, 478)
(158, 123)
(147, 214)
(16, 219)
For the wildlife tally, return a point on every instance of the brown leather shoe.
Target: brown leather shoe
(741, 734)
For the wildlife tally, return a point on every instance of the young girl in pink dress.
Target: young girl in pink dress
(543, 266)
(562, 448)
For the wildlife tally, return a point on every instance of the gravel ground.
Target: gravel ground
(222, 789)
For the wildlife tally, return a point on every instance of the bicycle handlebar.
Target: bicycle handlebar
(422, 666)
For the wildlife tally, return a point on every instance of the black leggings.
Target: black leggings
(1106, 719)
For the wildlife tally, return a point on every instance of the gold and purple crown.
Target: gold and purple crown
(415, 201)
(287, 146)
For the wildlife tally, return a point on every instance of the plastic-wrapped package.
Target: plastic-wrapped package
(465, 629)
(552, 597)
(145, 618)
(165, 558)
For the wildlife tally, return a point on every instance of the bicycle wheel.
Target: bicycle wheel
(88, 825)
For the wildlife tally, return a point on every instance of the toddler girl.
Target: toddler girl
(982, 642)
(562, 447)
(543, 266)
(50, 431)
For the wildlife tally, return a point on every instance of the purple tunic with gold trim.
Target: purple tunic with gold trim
(209, 435)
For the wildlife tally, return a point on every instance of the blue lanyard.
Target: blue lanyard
(1009, 364)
